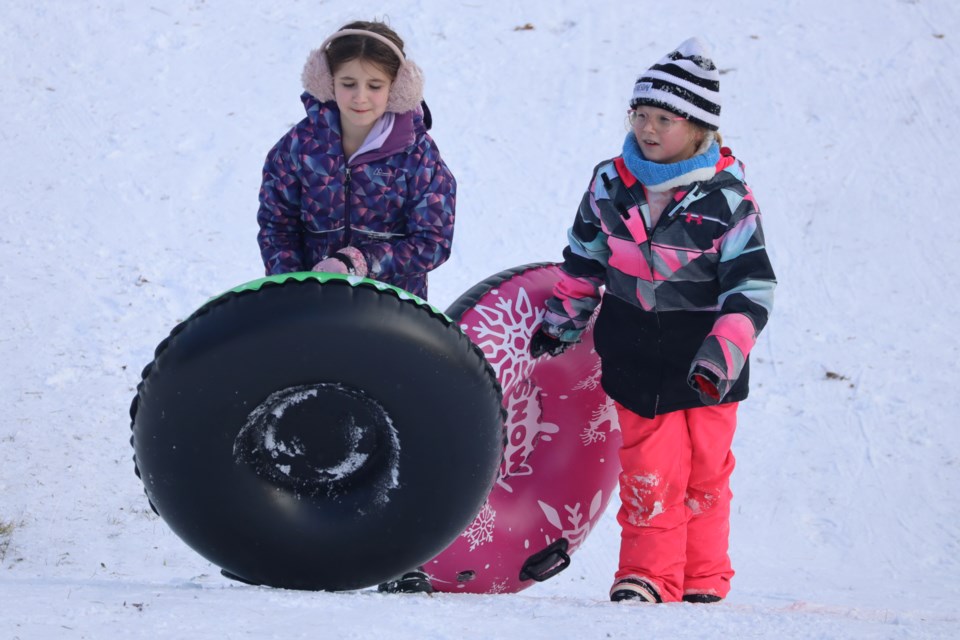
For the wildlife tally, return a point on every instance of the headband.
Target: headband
(406, 91)
(370, 34)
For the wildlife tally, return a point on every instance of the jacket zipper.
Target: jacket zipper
(677, 207)
(346, 208)
(666, 214)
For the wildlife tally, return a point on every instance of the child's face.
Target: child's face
(663, 136)
(361, 90)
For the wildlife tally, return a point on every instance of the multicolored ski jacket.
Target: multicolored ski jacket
(395, 205)
(698, 288)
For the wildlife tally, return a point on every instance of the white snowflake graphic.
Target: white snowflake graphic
(481, 529)
(576, 529)
(592, 381)
(504, 333)
(498, 586)
(603, 420)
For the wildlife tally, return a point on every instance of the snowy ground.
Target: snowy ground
(132, 140)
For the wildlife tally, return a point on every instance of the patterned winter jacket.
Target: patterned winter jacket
(395, 204)
(697, 289)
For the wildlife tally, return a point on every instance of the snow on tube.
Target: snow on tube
(312, 431)
(560, 467)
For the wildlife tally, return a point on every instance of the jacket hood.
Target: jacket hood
(730, 170)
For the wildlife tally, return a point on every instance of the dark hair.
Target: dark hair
(353, 47)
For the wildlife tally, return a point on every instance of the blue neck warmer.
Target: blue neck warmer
(660, 177)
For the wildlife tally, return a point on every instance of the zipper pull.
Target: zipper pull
(680, 206)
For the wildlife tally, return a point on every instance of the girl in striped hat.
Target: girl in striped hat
(672, 233)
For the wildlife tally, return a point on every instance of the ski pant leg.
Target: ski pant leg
(655, 467)
(708, 568)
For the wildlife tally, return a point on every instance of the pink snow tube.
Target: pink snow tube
(560, 465)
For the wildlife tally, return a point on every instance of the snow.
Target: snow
(268, 445)
(133, 135)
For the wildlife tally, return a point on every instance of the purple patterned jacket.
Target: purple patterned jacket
(395, 205)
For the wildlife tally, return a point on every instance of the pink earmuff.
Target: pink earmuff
(406, 92)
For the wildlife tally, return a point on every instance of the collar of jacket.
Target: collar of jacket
(407, 128)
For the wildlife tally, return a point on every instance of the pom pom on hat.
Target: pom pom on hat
(684, 82)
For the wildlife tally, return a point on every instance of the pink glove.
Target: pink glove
(332, 265)
(348, 260)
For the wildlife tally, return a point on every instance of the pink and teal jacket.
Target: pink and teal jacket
(394, 204)
(695, 288)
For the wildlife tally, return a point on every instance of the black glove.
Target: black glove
(542, 342)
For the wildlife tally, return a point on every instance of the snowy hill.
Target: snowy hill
(133, 137)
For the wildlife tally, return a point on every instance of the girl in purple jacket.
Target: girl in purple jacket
(358, 186)
(672, 233)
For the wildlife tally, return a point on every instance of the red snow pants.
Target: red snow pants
(675, 499)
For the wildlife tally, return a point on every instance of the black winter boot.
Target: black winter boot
(634, 589)
(701, 598)
(416, 581)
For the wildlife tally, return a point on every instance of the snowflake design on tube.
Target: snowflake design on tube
(603, 416)
(481, 529)
(592, 381)
(504, 333)
(499, 586)
(577, 527)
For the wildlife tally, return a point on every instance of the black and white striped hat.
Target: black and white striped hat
(684, 82)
